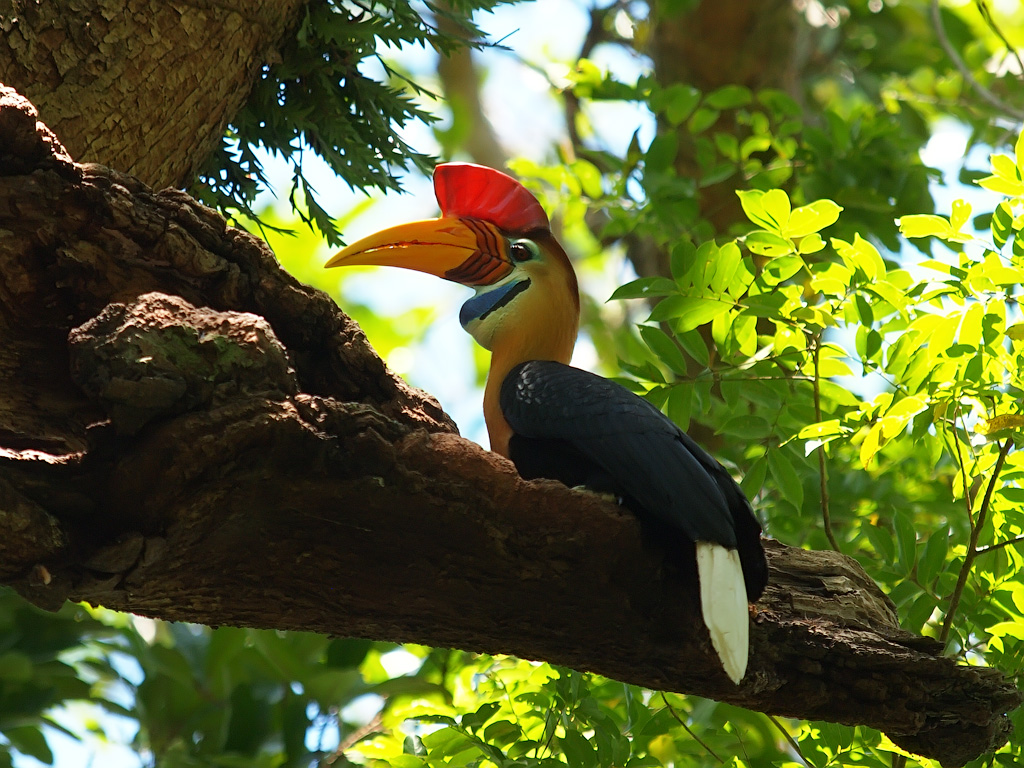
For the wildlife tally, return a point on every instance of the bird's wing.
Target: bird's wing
(648, 456)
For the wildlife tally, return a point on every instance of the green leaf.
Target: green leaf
(1005, 167)
(688, 312)
(1005, 178)
(744, 330)
(777, 208)
(783, 268)
(347, 652)
(871, 444)
(664, 347)
(728, 146)
(914, 619)
(1014, 629)
(579, 752)
(786, 478)
(764, 304)
(678, 102)
(943, 332)
(702, 119)
(808, 219)
(811, 243)
(753, 478)
(589, 177)
(822, 429)
(725, 264)
(485, 712)
(970, 326)
(860, 255)
(906, 538)
(15, 667)
(695, 346)
(746, 427)
(685, 257)
(1002, 222)
(881, 542)
(729, 97)
(769, 244)
(678, 405)
(925, 225)
(29, 740)
(502, 732)
(661, 153)
(446, 741)
(933, 560)
(751, 202)
(907, 407)
(961, 213)
(645, 288)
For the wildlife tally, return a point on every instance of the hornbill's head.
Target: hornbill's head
(494, 237)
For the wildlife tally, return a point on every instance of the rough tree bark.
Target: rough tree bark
(144, 86)
(186, 432)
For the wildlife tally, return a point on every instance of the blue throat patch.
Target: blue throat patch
(482, 305)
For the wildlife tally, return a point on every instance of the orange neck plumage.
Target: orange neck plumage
(544, 328)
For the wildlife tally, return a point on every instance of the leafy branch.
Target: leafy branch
(317, 100)
(972, 547)
(820, 450)
(986, 94)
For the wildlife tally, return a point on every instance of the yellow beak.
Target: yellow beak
(467, 251)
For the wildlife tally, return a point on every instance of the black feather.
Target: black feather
(582, 429)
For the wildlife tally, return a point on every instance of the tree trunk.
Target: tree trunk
(186, 432)
(143, 86)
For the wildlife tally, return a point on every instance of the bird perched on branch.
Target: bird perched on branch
(556, 421)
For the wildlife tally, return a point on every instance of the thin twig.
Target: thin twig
(986, 14)
(972, 547)
(963, 473)
(822, 467)
(982, 91)
(693, 735)
(898, 760)
(789, 737)
(1000, 545)
(372, 727)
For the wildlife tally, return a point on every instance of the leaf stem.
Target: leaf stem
(981, 90)
(788, 737)
(693, 735)
(1000, 545)
(822, 466)
(963, 473)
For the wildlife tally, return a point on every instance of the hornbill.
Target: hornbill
(556, 421)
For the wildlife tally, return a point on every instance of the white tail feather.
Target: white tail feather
(723, 601)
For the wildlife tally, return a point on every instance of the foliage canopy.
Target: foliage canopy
(854, 353)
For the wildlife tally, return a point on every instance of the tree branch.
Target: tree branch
(187, 432)
(985, 94)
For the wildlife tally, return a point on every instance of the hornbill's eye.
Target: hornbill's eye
(523, 250)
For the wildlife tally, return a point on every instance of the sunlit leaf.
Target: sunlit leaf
(688, 312)
(645, 287)
(812, 218)
(768, 244)
(999, 423)
(925, 225)
(860, 255)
